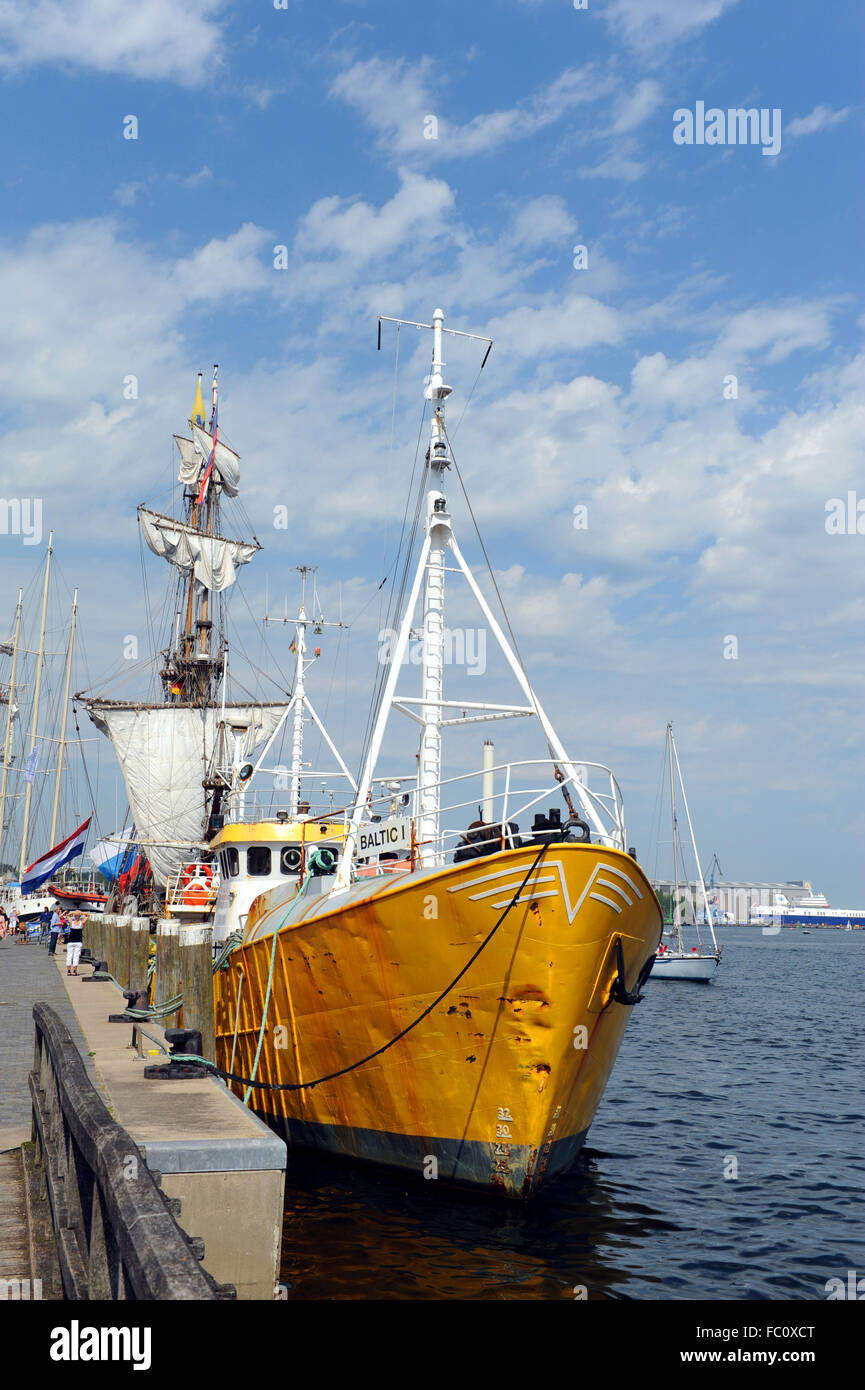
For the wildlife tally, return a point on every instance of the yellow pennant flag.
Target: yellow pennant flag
(197, 416)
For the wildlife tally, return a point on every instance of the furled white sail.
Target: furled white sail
(226, 463)
(164, 752)
(214, 560)
(194, 454)
(190, 461)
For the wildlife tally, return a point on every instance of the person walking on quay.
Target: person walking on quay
(44, 924)
(13, 923)
(54, 928)
(74, 938)
(3, 924)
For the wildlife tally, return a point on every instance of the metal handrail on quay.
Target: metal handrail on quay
(116, 1234)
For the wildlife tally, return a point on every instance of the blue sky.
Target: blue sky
(304, 127)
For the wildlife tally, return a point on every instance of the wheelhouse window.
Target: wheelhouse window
(231, 866)
(258, 861)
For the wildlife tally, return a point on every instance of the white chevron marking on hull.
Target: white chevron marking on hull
(594, 880)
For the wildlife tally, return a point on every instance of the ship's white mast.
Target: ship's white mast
(61, 749)
(22, 863)
(299, 697)
(430, 709)
(438, 530)
(300, 705)
(7, 741)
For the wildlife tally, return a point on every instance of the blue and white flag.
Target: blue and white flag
(49, 863)
(30, 765)
(114, 855)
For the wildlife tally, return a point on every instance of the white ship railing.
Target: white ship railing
(194, 887)
(523, 791)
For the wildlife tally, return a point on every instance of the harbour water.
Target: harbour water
(758, 1074)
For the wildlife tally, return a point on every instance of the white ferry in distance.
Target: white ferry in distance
(811, 910)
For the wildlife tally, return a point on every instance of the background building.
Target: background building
(736, 899)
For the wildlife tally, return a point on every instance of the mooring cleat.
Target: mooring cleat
(100, 973)
(179, 1040)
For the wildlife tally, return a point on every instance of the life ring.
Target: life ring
(291, 859)
(197, 885)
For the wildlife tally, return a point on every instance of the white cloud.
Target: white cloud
(617, 164)
(541, 222)
(159, 40)
(225, 266)
(395, 98)
(112, 307)
(821, 118)
(637, 107)
(350, 227)
(204, 175)
(127, 193)
(778, 330)
(567, 323)
(655, 23)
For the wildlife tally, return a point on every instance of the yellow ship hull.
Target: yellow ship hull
(496, 1086)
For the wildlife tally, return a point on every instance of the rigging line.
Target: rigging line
(150, 633)
(393, 619)
(468, 400)
(373, 596)
(409, 493)
(396, 596)
(398, 593)
(405, 513)
(283, 675)
(491, 574)
(237, 645)
(392, 430)
(86, 772)
(656, 813)
(324, 717)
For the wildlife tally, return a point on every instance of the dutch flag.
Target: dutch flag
(49, 863)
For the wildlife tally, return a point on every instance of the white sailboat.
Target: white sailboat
(678, 962)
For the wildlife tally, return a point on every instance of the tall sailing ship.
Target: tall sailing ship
(445, 993)
(178, 755)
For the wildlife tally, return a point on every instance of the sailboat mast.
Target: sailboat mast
(677, 918)
(62, 748)
(694, 847)
(22, 863)
(7, 742)
(438, 531)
